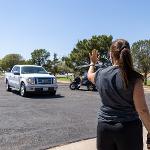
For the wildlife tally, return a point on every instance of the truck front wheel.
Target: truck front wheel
(53, 93)
(23, 92)
(8, 86)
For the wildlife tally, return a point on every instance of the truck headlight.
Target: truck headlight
(54, 81)
(31, 80)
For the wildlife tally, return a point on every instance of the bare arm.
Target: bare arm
(140, 104)
(91, 74)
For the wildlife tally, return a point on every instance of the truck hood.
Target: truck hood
(36, 75)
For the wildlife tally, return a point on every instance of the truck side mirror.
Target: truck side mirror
(8, 70)
(16, 73)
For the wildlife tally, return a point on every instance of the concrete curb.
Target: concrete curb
(81, 145)
(147, 89)
(90, 144)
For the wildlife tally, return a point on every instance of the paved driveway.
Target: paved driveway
(41, 122)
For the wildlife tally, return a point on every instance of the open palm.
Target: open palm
(94, 56)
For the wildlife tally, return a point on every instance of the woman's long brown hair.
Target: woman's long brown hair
(120, 50)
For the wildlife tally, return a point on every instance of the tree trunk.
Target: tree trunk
(145, 78)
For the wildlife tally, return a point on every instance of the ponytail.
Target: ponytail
(126, 65)
(121, 52)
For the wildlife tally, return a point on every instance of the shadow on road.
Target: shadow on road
(44, 96)
(85, 90)
(39, 95)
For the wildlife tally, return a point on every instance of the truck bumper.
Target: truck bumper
(32, 88)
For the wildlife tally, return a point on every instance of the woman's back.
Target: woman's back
(121, 91)
(116, 101)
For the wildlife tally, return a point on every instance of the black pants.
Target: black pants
(120, 136)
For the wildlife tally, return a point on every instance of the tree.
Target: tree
(141, 57)
(80, 54)
(1, 66)
(63, 68)
(55, 63)
(29, 62)
(52, 66)
(40, 56)
(48, 66)
(0, 63)
(10, 60)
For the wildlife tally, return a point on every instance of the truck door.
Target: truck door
(17, 77)
(11, 77)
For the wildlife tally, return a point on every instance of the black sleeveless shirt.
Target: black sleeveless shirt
(116, 101)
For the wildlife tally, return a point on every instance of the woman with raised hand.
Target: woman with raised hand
(123, 107)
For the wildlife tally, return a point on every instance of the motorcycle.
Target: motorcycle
(77, 83)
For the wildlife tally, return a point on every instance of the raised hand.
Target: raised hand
(94, 56)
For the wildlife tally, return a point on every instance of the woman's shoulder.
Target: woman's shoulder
(105, 68)
(136, 75)
(110, 70)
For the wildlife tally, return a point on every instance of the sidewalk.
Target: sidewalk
(147, 89)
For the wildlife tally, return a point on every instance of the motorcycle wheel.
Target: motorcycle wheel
(90, 87)
(72, 86)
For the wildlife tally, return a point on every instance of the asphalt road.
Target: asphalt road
(41, 122)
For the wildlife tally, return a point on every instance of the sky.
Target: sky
(57, 25)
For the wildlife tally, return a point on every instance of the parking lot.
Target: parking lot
(41, 121)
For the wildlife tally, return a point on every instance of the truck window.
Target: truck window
(32, 69)
(14, 69)
(18, 69)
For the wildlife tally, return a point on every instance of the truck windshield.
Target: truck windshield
(32, 69)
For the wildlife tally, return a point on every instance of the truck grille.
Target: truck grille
(44, 80)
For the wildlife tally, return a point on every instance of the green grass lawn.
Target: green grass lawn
(148, 82)
(64, 79)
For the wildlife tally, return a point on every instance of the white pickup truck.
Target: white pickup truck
(30, 78)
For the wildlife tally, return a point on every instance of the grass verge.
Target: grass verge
(65, 79)
(148, 82)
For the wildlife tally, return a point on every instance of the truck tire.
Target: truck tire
(23, 92)
(53, 93)
(8, 86)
